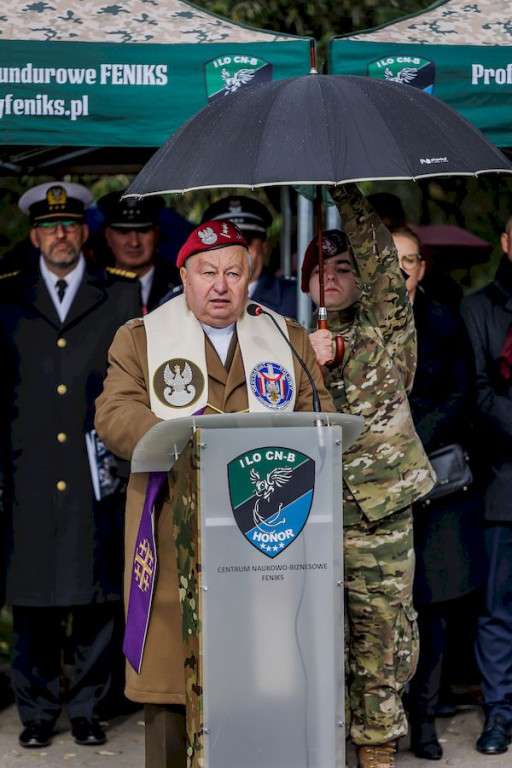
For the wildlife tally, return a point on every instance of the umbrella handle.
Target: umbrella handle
(339, 343)
(322, 310)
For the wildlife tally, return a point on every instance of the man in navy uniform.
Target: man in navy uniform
(132, 234)
(64, 547)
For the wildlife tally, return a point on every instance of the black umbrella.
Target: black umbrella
(318, 129)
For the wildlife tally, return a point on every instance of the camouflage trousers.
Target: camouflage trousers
(381, 635)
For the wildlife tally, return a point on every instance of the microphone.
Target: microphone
(256, 310)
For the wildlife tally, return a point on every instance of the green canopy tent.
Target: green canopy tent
(88, 86)
(460, 51)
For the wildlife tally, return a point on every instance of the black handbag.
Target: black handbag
(451, 465)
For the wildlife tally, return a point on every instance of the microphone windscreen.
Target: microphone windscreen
(253, 309)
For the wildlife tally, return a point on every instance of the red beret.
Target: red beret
(208, 237)
(334, 242)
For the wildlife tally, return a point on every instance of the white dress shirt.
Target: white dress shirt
(73, 280)
(220, 338)
(146, 283)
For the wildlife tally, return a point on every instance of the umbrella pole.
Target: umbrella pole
(322, 309)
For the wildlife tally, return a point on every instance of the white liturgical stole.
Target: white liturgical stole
(177, 361)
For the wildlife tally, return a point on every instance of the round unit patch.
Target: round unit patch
(178, 383)
(272, 385)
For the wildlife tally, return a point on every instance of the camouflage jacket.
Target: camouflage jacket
(387, 468)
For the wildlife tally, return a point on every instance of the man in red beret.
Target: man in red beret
(197, 353)
(384, 471)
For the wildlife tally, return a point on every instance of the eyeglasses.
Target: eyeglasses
(50, 227)
(410, 260)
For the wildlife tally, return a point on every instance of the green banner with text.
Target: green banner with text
(97, 94)
(476, 81)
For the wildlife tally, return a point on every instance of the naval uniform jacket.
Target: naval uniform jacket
(277, 293)
(123, 416)
(165, 277)
(63, 548)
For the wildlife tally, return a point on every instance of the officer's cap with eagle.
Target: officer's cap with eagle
(56, 201)
(130, 212)
(209, 237)
(250, 216)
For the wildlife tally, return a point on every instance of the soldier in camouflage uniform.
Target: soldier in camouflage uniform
(384, 471)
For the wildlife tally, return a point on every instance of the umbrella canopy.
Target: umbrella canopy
(452, 245)
(318, 129)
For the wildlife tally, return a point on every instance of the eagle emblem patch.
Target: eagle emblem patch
(178, 383)
(272, 385)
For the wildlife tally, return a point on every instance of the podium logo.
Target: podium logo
(271, 492)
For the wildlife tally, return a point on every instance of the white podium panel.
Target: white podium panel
(272, 597)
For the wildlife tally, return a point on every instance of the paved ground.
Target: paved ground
(125, 746)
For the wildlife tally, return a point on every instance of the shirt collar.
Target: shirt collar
(73, 278)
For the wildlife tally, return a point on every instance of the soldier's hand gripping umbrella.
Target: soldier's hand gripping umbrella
(322, 130)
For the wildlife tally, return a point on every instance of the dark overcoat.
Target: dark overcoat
(63, 548)
(447, 532)
(488, 317)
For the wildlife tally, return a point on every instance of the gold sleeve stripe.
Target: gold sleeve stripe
(121, 272)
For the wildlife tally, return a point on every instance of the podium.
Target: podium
(257, 505)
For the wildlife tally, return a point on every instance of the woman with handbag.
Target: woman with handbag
(447, 535)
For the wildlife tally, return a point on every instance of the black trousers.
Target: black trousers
(425, 686)
(38, 654)
(165, 736)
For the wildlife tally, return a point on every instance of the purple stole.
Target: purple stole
(142, 582)
(143, 575)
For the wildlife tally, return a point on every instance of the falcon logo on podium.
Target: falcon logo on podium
(271, 492)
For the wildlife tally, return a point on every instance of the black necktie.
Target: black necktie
(61, 288)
